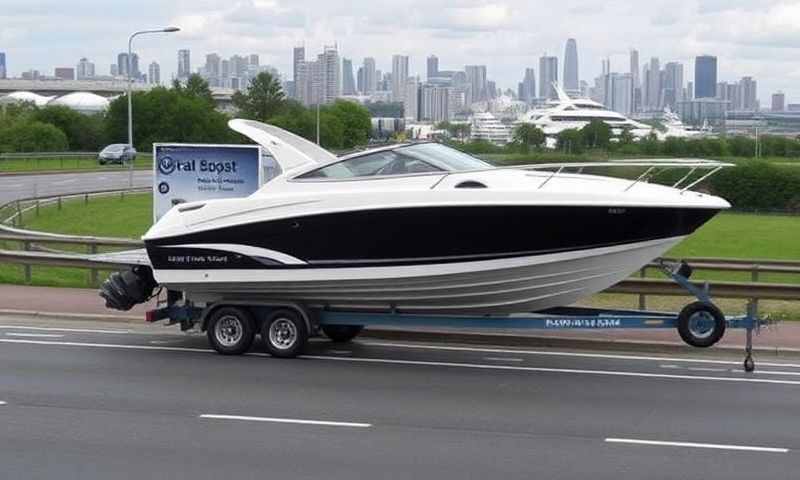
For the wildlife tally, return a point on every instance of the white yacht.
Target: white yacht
(485, 126)
(575, 113)
(676, 128)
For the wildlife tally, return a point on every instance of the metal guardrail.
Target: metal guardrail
(34, 155)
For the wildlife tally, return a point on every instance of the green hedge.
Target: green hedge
(759, 186)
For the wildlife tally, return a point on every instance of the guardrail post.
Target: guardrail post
(642, 296)
(93, 271)
(37, 208)
(754, 301)
(19, 214)
(86, 199)
(59, 203)
(26, 245)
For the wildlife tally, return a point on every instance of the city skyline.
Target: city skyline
(499, 36)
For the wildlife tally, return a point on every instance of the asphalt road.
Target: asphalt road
(98, 401)
(13, 187)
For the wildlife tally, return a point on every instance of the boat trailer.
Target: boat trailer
(231, 325)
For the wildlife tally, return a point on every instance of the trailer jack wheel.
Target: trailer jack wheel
(701, 324)
(285, 333)
(749, 364)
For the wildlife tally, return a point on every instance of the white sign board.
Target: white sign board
(193, 172)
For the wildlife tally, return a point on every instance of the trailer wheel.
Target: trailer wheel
(701, 324)
(342, 333)
(231, 330)
(285, 333)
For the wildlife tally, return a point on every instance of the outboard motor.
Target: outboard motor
(123, 290)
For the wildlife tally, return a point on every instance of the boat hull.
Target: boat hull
(498, 286)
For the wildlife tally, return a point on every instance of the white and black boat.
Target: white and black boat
(421, 228)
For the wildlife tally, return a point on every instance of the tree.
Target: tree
(596, 134)
(31, 136)
(527, 135)
(196, 87)
(263, 99)
(84, 132)
(355, 120)
(570, 141)
(168, 115)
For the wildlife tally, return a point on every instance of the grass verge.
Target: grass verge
(85, 163)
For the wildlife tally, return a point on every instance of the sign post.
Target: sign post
(194, 172)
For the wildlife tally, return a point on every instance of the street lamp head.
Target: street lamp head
(171, 29)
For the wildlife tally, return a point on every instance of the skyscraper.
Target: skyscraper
(527, 91)
(433, 66)
(330, 68)
(571, 81)
(253, 59)
(778, 102)
(636, 90)
(399, 77)
(184, 64)
(298, 59)
(154, 73)
(213, 69)
(3, 71)
(673, 84)
(476, 79)
(370, 76)
(64, 73)
(136, 74)
(360, 84)
(348, 82)
(122, 64)
(548, 74)
(705, 76)
(653, 99)
(749, 94)
(85, 69)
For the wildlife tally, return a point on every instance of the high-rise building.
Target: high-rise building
(65, 73)
(212, 70)
(621, 86)
(318, 81)
(411, 101)
(636, 92)
(653, 97)
(370, 76)
(749, 94)
(360, 80)
(778, 102)
(399, 77)
(122, 64)
(253, 59)
(136, 74)
(114, 70)
(435, 103)
(298, 60)
(476, 78)
(527, 90)
(548, 75)
(154, 73)
(85, 69)
(571, 80)
(331, 66)
(672, 88)
(433, 66)
(348, 82)
(184, 64)
(705, 76)
(3, 68)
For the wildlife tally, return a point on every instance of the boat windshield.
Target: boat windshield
(403, 160)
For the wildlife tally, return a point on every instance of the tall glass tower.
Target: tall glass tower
(571, 81)
(705, 76)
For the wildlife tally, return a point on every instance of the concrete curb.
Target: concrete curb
(467, 338)
(58, 172)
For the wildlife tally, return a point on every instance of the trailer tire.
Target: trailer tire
(341, 333)
(285, 333)
(231, 330)
(701, 324)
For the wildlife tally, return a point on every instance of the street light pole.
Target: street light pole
(130, 85)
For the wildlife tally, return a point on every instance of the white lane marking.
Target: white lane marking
(716, 446)
(340, 352)
(675, 366)
(503, 359)
(774, 372)
(3, 403)
(64, 182)
(421, 363)
(287, 420)
(55, 329)
(556, 370)
(705, 369)
(570, 354)
(37, 335)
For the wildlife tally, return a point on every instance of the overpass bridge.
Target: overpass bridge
(104, 88)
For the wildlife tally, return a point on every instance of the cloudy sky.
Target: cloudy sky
(759, 38)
